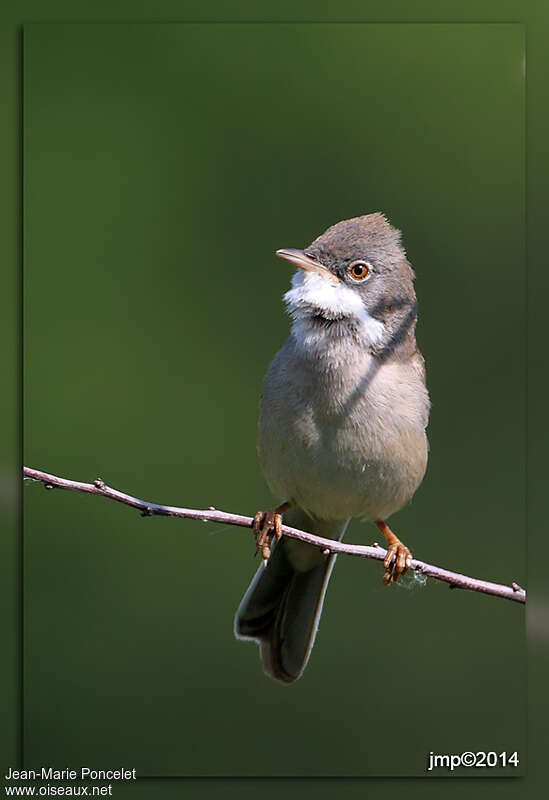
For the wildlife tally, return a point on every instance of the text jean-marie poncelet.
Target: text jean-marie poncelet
(82, 774)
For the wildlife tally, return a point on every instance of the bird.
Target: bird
(342, 428)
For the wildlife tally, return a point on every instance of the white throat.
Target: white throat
(312, 297)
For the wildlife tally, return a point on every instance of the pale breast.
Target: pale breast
(344, 441)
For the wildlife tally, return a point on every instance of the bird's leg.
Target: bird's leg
(267, 525)
(398, 558)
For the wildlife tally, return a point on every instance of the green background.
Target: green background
(535, 17)
(163, 165)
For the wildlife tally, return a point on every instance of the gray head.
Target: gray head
(355, 281)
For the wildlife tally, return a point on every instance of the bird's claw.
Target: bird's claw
(267, 526)
(397, 562)
(398, 558)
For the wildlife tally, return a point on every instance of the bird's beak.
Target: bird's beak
(305, 262)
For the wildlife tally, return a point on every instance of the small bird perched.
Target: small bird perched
(341, 430)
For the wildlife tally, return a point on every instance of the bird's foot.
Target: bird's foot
(267, 526)
(398, 558)
(396, 562)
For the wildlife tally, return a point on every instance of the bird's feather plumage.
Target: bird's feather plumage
(342, 423)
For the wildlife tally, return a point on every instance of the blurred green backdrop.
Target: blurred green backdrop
(163, 166)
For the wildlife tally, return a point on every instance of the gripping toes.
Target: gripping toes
(398, 559)
(266, 526)
(396, 562)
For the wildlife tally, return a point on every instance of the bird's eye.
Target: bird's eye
(359, 270)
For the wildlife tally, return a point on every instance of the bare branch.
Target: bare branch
(328, 546)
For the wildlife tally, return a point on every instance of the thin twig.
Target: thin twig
(328, 546)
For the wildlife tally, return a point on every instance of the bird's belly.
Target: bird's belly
(342, 476)
(362, 464)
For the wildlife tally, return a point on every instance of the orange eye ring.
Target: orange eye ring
(359, 270)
